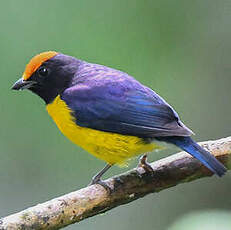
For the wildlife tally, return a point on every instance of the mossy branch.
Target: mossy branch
(79, 205)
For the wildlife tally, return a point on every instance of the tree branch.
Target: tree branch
(79, 205)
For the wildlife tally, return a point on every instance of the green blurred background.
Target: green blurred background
(179, 48)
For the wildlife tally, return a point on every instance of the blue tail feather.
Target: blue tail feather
(190, 146)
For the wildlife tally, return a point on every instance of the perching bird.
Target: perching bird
(107, 112)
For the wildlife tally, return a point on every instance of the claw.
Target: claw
(97, 179)
(102, 183)
(145, 165)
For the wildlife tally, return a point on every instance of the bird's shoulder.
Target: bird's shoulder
(96, 75)
(96, 79)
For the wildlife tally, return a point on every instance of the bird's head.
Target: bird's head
(48, 74)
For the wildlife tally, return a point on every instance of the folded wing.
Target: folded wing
(124, 108)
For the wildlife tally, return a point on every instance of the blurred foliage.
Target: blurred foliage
(206, 220)
(179, 48)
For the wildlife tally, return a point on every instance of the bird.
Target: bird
(107, 112)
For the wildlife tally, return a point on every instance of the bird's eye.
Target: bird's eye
(43, 71)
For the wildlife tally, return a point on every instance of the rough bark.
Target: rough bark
(134, 184)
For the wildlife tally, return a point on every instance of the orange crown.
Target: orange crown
(37, 61)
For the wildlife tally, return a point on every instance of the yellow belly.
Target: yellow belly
(110, 147)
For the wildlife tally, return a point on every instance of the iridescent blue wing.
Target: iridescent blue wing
(122, 105)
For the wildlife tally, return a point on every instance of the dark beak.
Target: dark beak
(22, 84)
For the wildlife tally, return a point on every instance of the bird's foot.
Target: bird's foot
(145, 165)
(97, 180)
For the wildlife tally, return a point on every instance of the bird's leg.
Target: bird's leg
(144, 164)
(97, 178)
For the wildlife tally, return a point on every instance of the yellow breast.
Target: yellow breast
(110, 147)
